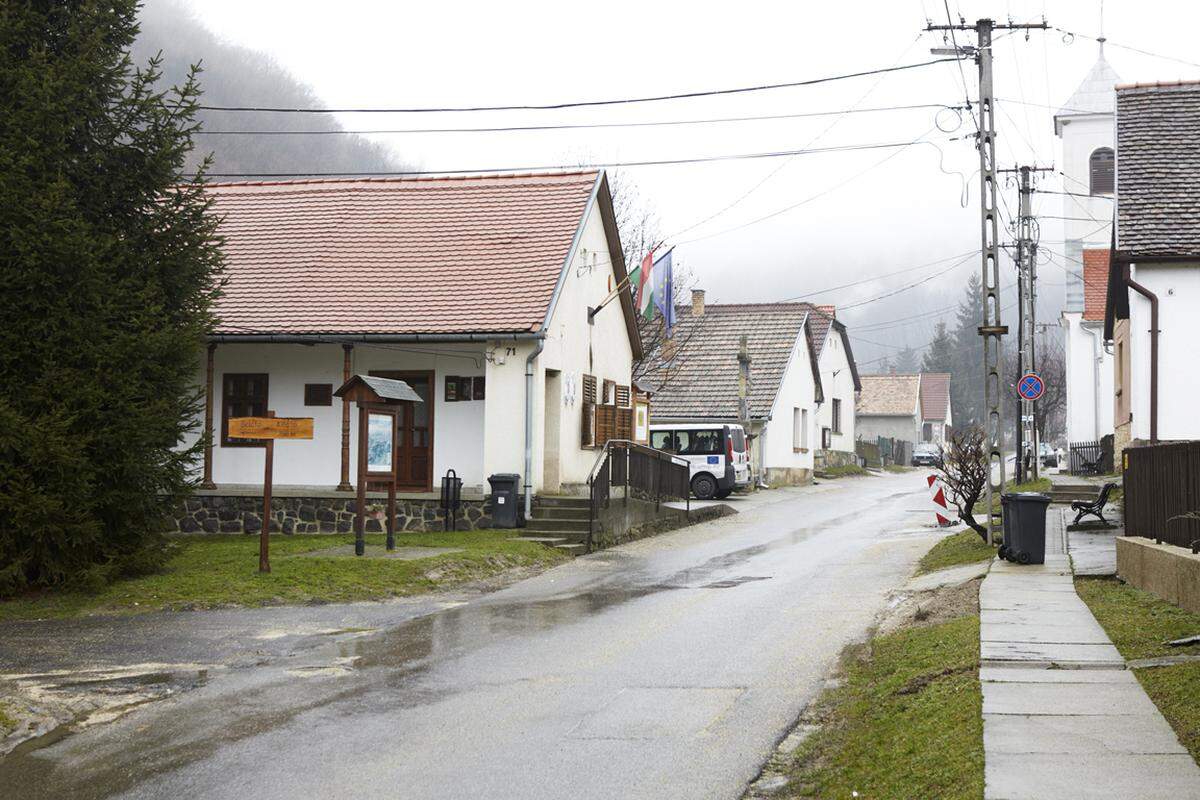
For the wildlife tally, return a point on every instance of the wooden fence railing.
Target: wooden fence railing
(647, 473)
(1162, 483)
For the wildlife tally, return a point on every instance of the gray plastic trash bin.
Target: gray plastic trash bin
(1025, 527)
(506, 500)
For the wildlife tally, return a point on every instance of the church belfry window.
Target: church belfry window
(1100, 169)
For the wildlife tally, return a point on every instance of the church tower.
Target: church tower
(1087, 128)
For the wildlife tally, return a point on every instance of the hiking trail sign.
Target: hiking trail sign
(270, 428)
(1031, 386)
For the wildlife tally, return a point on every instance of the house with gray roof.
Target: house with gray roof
(1154, 270)
(786, 396)
(911, 408)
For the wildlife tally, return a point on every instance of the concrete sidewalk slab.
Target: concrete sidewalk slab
(1108, 776)
(1067, 699)
(1062, 716)
(1094, 734)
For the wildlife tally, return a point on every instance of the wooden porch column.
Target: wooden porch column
(207, 482)
(347, 371)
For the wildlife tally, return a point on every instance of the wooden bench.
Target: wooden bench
(1093, 508)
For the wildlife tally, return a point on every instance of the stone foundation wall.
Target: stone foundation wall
(787, 476)
(243, 514)
(835, 458)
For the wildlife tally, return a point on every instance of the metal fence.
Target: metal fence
(884, 451)
(645, 473)
(1162, 482)
(1090, 458)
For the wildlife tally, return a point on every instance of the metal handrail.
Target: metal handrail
(602, 466)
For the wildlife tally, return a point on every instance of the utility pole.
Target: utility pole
(991, 329)
(1026, 260)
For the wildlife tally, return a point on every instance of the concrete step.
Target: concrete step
(561, 512)
(558, 523)
(574, 549)
(568, 536)
(549, 541)
(561, 501)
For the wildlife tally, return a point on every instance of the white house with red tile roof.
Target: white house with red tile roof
(474, 290)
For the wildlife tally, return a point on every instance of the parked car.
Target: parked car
(716, 454)
(927, 454)
(1046, 456)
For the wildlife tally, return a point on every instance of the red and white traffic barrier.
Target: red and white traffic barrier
(939, 501)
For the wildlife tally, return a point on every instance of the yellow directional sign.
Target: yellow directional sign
(271, 427)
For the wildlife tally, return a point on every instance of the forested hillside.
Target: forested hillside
(236, 76)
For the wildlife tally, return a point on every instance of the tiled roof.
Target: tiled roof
(704, 380)
(935, 395)
(822, 320)
(479, 254)
(1095, 283)
(1158, 170)
(888, 396)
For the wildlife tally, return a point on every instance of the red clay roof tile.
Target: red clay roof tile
(479, 254)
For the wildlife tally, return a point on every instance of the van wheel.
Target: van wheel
(704, 487)
(724, 494)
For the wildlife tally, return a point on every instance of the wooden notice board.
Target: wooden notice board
(271, 427)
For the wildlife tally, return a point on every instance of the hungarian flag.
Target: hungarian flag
(641, 286)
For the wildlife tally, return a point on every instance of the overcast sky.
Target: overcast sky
(904, 210)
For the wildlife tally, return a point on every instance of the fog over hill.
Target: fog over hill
(234, 75)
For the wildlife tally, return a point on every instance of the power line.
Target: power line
(1127, 47)
(902, 289)
(576, 126)
(565, 167)
(577, 103)
(1075, 194)
(874, 278)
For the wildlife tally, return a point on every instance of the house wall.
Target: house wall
(574, 348)
(1089, 376)
(781, 461)
(1178, 290)
(838, 382)
(870, 427)
(1087, 222)
(458, 426)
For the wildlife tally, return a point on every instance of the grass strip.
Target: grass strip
(222, 570)
(906, 722)
(844, 471)
(964, 547)
(1139, 623)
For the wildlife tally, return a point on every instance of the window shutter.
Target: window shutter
(587, 425)
(625, 423)
(623, 396)
(589, 388)
(606, 423)
(609, 388)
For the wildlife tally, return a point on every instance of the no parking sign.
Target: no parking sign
(1031, 386)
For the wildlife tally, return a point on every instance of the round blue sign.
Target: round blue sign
(1031, 386)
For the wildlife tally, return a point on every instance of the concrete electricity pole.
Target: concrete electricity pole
(1026, 260)
(991, 330)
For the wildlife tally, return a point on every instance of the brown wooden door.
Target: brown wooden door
(414, 439)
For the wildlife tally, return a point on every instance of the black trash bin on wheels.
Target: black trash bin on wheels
(506, 500)
(1007, 519)
(1025, 523)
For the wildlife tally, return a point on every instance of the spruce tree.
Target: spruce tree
(966, 388)
(110, 262)
(940, 355)
(906, 360)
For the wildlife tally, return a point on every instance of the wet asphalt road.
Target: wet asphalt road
(667, 668)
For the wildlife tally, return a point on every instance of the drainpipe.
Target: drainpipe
(537, 351)
(1153, 298)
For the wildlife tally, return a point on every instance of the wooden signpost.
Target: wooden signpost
(270, 428)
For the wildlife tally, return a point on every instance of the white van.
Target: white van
(717, 454)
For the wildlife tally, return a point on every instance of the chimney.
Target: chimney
(697, 302)
(829, 311)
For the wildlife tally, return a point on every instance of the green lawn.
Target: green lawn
(964, 547)
(896, 468)
(1040, 485)
(211, 571)
(906, 722)
(1139, 623)
(8, 723)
